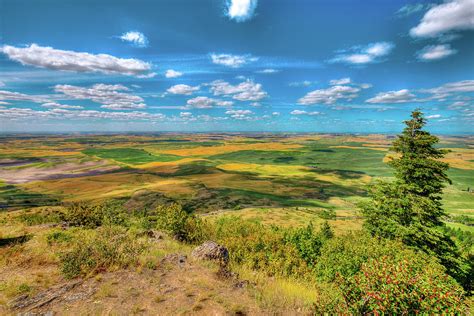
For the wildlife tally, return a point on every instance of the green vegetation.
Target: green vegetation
(410, 207)
(101, 250)
(129, 155)
(287, 216)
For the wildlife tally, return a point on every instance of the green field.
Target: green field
(207, 172)
(129, 155)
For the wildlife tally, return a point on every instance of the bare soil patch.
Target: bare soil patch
(64, 170)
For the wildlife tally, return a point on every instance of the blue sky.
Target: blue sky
(235, 65)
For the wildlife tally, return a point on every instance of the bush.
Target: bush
(308, 242)
(345, 255)
(56, 237)
(260, 248)
(91, 216)
(181, 225)
(100, 250)
(412, 285)
(39, 216)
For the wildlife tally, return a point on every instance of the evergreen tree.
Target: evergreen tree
(410, 208)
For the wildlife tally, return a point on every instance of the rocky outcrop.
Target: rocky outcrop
(211, 250)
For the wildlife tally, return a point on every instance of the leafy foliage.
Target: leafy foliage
(413, 285)
(183, 226)
(100, 250)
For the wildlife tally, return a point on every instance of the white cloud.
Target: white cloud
(275, 113)
(268, 71)
(336, 82)
(170, 73)
(113, 97)
(239, 114)
(400, 96)
(410, 9)
(244, 91)
(185, 114)
(456, 15)
(433, 116)
(304, 83)
(241, 10)
(435, 52)
(48, 57)
(2, 84)
(26, 113)
(365, 54)
(61, 106)
(233, 61)
(16, 96)
(441, 93)
(206, 103)
(300, 112)
(137, 39)
(329, 95)
(182, 89)
(452, 87)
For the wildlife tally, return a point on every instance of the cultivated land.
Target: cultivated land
(290, 178)
(273, 179)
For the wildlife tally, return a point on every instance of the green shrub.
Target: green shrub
(412, 285)
(178, 223)
(91, 216)
(345, 255)
(307, 242)
(260, 248)
(102, 249)
(59, 236)
(41, 216)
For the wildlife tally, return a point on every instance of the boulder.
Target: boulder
(211, 250)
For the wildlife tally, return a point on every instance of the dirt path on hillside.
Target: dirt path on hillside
(178, 286)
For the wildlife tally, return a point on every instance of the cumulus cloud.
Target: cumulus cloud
(300, 112)
(206, 103)
(61, 106)
(330, 95)
(62, 114)
(451, 89)
(400, 96)
(16, 96)
(244, 91)
(436, 52)
(360, 55)
(182, 89)
(239, 114)
(336, 82)
(455, 15)
(267, 71)
(433, 116)
(241, 10)
(170, 73)
(48, 57)
(233, 61)
(112, 97)
(136, 38)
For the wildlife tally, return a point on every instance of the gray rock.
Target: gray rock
(211, 250)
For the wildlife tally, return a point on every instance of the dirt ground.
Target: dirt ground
(65, 170)
(178, 286)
